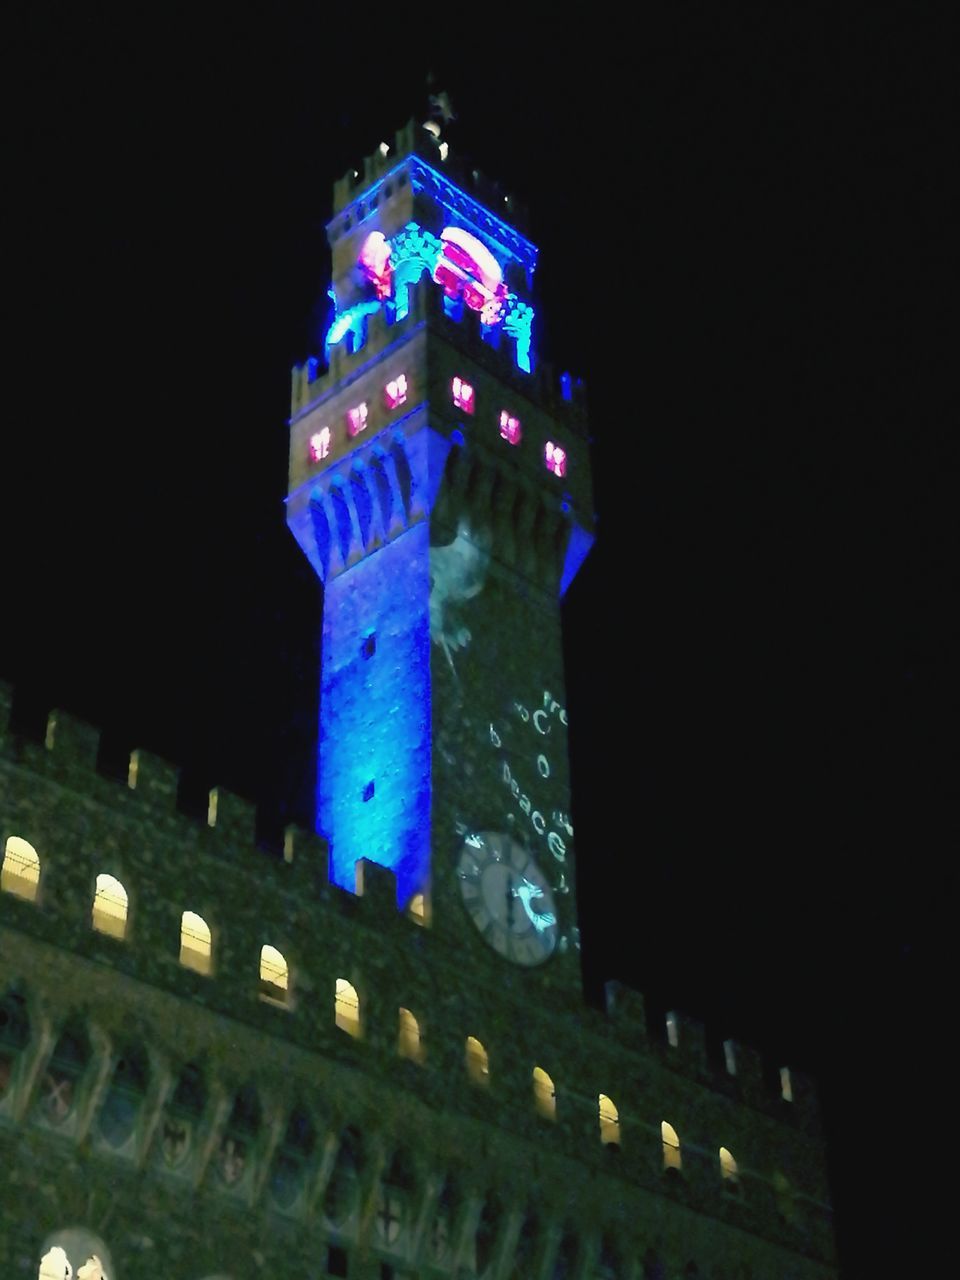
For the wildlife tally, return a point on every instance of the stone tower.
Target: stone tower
(370, 1058)
(439, 484)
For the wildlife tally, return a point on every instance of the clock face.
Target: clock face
(507, 897)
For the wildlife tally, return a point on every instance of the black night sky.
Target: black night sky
(742, 233)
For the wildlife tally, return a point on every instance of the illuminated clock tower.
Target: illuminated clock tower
(439, 484)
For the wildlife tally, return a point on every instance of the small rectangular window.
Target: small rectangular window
(395, 392)
(555, 458)
(336, 1261)
(320, 444)
(464, 396)
(357, 419)
(510, 427)
(673, 1030)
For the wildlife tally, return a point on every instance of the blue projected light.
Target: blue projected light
(349, 321)
(373, 797)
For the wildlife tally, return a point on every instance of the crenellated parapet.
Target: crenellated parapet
(430, 165)
(377, 330)
(138, 988)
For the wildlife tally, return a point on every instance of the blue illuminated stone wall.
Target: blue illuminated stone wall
(374, 789)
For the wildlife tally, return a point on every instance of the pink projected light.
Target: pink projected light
(357, 419)
(463, 395)
(320, 445)
(395, 392)
(375, 264)
(467, 269)
(510, 428)
(555, 458)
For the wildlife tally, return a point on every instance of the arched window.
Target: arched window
(347, 1008)
(20, 874)
(60, 1083)
(232, 1159)
(478, 1065)
(343, 1187)
(274, 974)
(290, 1167)
(418, 909)
(196, 943)
(110, 907)
(609, 1122)
(409, 1044)
(544, 1094)
(728, 1168)
(671, 1146)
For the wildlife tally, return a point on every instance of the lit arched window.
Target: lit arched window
(195, 943)
(418, 909)
(671, 1146)
(409, 1044)
(274, 974)
(609, 1121)
(478, 1065)
(110, 907)
(347, 1007)
(544, 1094)
(728, 1167)
(20, 874)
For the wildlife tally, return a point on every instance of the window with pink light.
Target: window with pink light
(510, 428)
(357, 419)
(464, 396)
(395, 392)
(556, 458)
(320, 444)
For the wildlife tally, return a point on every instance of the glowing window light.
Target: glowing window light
(320, 444)
(728, 1167)
(347, 1008)
(357, 419)
(467, 269)
(478, 1064)
(20, 874)
(555, 458)
(395, 392)
(544, 1094)
(418, 909)
(195, 943)
(463, 395)
(510, 427)
(409, 1044)
(673, 1030)
(110, 907)
(274, 974)
(609, 1121)
(672, 1158)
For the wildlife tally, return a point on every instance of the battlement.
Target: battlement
(82, 822)
(413, 139)
(559, 394)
